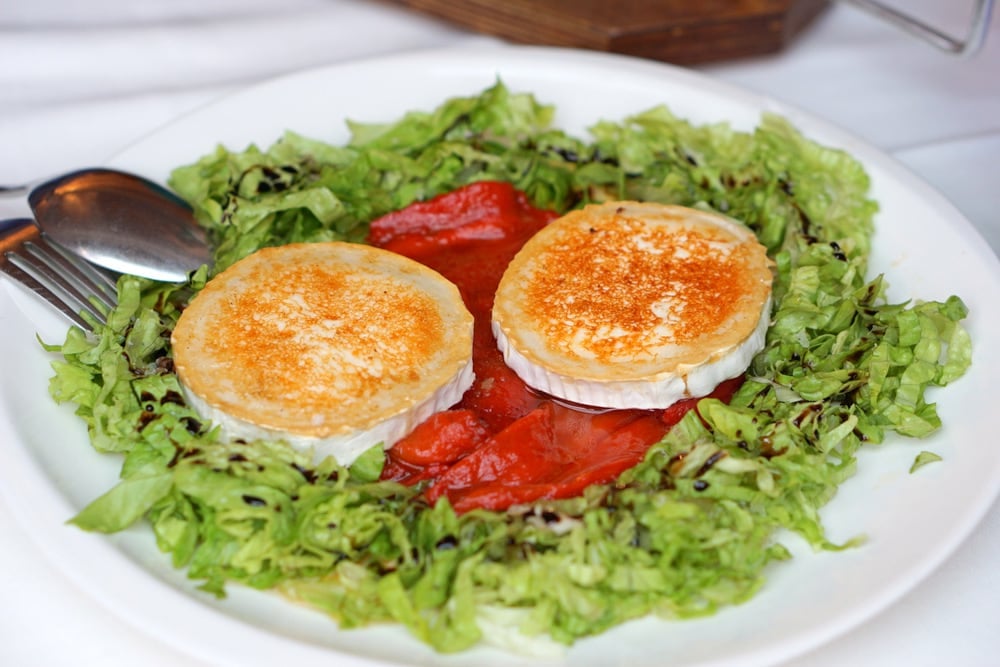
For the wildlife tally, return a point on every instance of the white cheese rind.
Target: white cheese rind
(345, 447)
(331, 347)
(648, 393)
(634, 305)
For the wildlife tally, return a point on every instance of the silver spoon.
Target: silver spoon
(122, 222)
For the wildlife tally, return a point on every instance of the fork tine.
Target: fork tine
(39, 263)
(80, 292)
(46, 293)
(36, 263)
(85, 276)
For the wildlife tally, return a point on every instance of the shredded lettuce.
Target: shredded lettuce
(691, 529)
(924, 458)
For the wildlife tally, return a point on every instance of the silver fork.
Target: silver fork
(79, 290)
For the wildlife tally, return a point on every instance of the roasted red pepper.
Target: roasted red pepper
(443, 438)
(504, 443)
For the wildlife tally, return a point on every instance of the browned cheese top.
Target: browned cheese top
(318, 339)
(633, 288)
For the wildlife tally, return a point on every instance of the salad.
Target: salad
(693, 527)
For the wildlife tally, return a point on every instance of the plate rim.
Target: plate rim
(656, 69)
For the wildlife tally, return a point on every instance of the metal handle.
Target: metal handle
(966, 46)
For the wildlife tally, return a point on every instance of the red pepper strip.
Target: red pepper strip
(500, 219)
(621, 450)
(443, 438)
(608, 457)
(479, 211)
(512, 456)
(537, 449)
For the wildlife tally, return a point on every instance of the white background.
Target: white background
(80, 81)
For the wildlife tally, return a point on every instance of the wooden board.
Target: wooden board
(677, 31)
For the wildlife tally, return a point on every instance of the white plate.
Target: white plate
(913, 522)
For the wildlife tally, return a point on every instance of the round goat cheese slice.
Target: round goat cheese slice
(333, 347)
(634, 305)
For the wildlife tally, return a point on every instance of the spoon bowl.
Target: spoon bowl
(123, 222)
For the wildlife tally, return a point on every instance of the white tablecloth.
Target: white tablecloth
(80, 81)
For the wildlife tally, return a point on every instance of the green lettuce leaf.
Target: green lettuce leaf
(691, 529)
